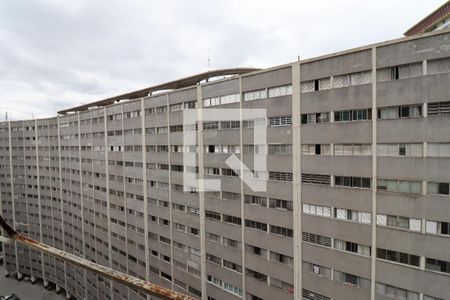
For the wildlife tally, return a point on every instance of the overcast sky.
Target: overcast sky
(55, 54)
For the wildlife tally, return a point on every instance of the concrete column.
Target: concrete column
(297, 178)
(58, 289)
(241, 188)
(82, 200)
(13, 196)
(169, 157)
(201, 189)
(108, 208)
(19, 276)
(374, 173)
(39, 195)
(46, 283)
(145, 192)
(61, 198)
(33, 279)
(68, 295)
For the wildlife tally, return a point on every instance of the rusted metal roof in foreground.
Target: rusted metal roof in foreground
(429, 21)
(176, 84)
(130, 281)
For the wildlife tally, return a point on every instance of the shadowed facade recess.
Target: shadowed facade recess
(358, 173)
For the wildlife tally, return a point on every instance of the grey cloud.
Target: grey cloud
(57, 54)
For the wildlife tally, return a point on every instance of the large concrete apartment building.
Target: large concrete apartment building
(357, 166)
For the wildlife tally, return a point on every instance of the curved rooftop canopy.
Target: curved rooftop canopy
(176, 84)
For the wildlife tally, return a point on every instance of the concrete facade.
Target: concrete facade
(357, 201)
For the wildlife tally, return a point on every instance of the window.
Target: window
(230, 124)
(399, 72)
(211, 125)
(352, 247)
(351, 279)
(229, 172)
(323, 117)
(212, 171)
(437, 265)
(190, 105)
(278, 230)
(313, 296)
(280, 121)
(230, 243)
(232, 219)
(316, 149)
(439, 108)
(280, 176)
(414, 150)
(281, 285)
(316, 239)
(280, 204)
(255, 250)
(276, 149)
(176, 107)
(257, 275)
(353, 115)
(352, 149)
(316, 269)
(281, 258)
(317, 210)
(255, 200)
(232, 266)
(233, 98)
(400, 186)
(213, 259)
(316, 178)
(357, 78)
(214, 280)
(397, 112)
(315, 85)
(395, 292)
(356, 182)
(438, 188)
(440, 65)
(256, 225)
(255, 123)
(438, 149)
(399, 257)
(212, 215)
(436, 227)
(255, 95)
(284, 90)
(399, 222)
(232, 289)
(352, 215)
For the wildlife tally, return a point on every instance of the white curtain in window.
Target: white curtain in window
(341, 213)
(432, 188)
(326, 211)
(415, 225)
(364, 250)
(392, 149)
(381, 220)
(414, 111)
(431, 227)
(338, 244)
(414, 150)
(307, 86)
(364, 217)
(325, 84)
(306, 208)
(389, 113)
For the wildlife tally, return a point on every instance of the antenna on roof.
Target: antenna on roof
(6, 116)
(209, 60)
